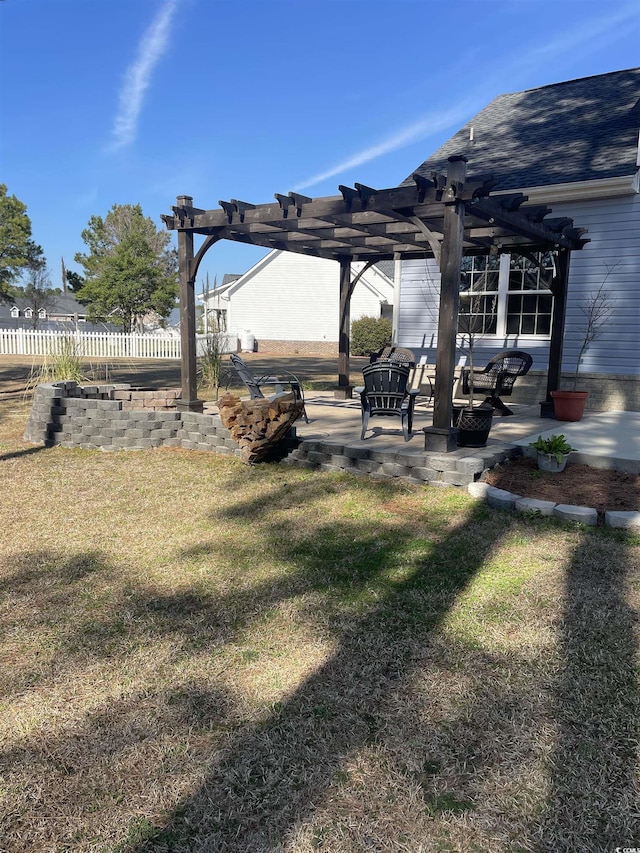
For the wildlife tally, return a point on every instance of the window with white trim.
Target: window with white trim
(508, 296)
(28, 312)
(15, 311)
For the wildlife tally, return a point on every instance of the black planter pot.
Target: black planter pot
(473, 426)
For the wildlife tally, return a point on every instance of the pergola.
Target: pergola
(444, 216)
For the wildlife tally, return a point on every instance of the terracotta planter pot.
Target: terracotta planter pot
(569, 405)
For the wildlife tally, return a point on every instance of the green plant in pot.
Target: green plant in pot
(552, 452)
(473, 421)
(568, 405)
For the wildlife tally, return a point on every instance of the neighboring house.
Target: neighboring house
(289, 303)
(60, 311)
(575, 147)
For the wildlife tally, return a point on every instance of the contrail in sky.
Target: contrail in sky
(138, 76)
(600, 31)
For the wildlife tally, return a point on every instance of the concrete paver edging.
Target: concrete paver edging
(501, 499)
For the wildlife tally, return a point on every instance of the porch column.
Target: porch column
(189, 394)
(344, 389)
(559, 290)
(441, 436)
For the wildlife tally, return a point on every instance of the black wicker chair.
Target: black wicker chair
(399, 355)
(498, 377)
(385, 393)
(254, 383)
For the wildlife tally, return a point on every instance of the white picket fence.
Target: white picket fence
(99, 344)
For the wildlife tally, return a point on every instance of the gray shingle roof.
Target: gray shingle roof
(580, 130)
(387, 268)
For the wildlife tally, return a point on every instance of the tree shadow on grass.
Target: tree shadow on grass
(594, 800)
(273, 775)
(381, 594)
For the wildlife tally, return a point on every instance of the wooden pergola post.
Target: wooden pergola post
(344, 389)
(559, 290)
(442, 436)
(189, 399)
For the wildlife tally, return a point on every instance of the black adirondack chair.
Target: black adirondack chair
(498, 377)
(254, 384)
(385, 393)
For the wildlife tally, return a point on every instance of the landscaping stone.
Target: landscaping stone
(581, 514)
(535, 505)
(501, 499)
(478, 490)
(471, 465)
(627, 520)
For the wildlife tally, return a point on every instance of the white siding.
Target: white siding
(614, 231)
(290, 297)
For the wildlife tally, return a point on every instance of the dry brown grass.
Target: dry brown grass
(201, 656)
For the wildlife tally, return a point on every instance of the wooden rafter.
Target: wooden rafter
(371, 225)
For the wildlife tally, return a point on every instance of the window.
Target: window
(15, 311)
(479, 295)
(506, 296)
(529, 300)
(28, 312)
(42, 314)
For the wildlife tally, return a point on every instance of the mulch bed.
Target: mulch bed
(578, 485)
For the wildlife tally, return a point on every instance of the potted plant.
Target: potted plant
(568, 405)
(473, 421)
(552, 452)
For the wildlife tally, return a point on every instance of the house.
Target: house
(55, 312)
(289, 303)
(572, 146)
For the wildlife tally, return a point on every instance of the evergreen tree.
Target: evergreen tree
(17, 249)
(130, 269)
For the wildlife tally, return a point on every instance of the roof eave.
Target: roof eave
(582, 190)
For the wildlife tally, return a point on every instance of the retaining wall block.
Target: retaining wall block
(367, 466)
(423, 474)
(382, 455)
(581, 514)
(356, 451)
(330, 468)
(471, 465)
(343, 461)
(456, 478)
(535, 505)
(393, 469)
(501, 499)
(478, 490)
(443, 462)
(626, 520)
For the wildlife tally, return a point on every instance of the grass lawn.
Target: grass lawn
(197, 655)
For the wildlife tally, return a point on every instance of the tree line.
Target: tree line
(129, 268)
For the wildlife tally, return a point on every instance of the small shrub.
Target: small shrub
(555, 445)
(369, 334)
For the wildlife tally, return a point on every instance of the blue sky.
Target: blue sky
(108, 102)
